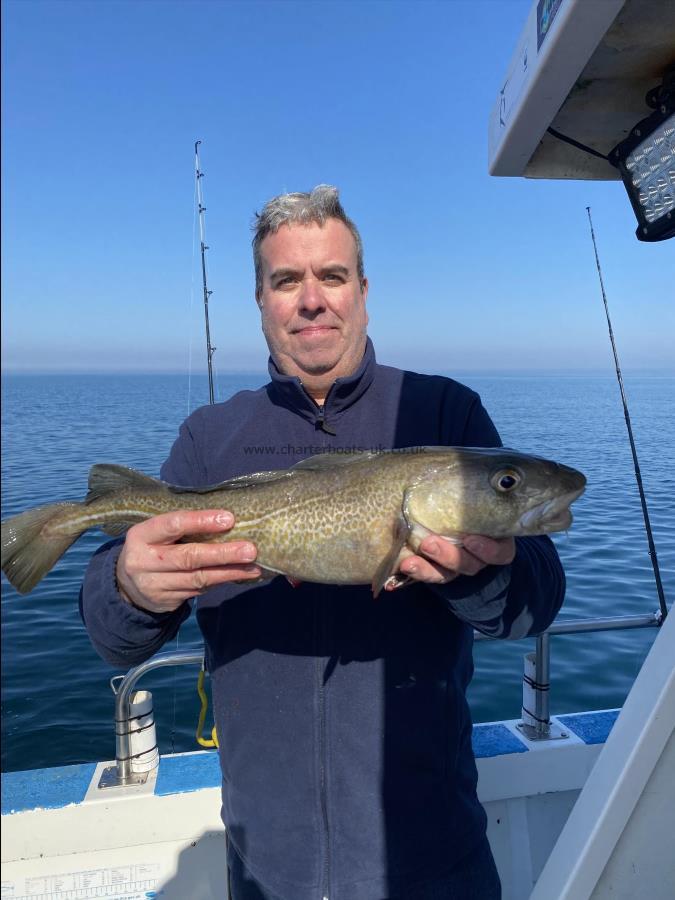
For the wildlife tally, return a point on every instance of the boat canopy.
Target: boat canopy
(584, 70)
(590, 94)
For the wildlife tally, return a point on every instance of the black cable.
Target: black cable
(577, 144)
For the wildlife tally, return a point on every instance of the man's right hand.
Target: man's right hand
(157, 573)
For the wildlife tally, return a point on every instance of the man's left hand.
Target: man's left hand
(440, 561)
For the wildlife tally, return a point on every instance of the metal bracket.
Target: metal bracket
(110, 778)
(552, 733)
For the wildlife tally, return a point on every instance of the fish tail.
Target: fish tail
(31, 545)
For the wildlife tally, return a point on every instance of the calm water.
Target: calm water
(57, 706)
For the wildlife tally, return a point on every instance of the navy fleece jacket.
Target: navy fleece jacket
(345, 735)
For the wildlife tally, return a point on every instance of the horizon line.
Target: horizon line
(487, 370)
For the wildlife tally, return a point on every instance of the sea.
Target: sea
(57, 702)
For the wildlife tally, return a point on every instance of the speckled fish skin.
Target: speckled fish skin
(334, 518)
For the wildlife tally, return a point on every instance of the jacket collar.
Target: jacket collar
(288, 391)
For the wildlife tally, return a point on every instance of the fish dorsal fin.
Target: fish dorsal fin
(105, 478)
(331, 459)
(312, 463)
(241, 481)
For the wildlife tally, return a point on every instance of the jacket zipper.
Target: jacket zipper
(320, 421)
(321, 424)
(322, 752)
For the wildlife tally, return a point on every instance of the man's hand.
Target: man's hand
(442, 561)
(156, 573)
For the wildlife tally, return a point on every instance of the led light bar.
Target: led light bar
(646, 161)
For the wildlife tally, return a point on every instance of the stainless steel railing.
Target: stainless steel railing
(540, 684)
(122, 774)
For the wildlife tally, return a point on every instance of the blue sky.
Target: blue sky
(389, 101)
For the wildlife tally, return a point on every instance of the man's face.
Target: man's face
(312, 303)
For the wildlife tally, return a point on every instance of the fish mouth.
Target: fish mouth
(551, 515)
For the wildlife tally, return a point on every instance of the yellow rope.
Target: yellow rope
(202, 741)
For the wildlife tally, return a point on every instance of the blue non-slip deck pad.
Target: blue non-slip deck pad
(179, 774)
(45, 788)
(495, 739)
(593, 727)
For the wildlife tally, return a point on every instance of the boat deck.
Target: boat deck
(64, 838)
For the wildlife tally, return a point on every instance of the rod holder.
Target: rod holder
(142, 732)
(123, 772)
(536, 686)
(536, 724)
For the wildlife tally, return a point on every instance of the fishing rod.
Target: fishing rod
(201, 209)
(636, 465)
(210, 350)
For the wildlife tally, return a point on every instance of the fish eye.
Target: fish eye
(506, 480)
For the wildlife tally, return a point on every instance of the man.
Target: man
(345, 736)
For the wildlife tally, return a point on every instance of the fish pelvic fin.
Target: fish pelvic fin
(106, 478)
(30, 548)
(389, 565)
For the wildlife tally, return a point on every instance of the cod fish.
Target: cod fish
(334, 519)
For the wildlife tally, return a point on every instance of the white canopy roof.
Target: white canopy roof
(582, 67)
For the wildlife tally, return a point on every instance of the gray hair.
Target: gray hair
(317, 206)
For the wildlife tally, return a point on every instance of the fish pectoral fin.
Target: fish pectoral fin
(419, 532)
(105, 478)
(388, 568)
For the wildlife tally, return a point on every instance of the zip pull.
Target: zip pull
(321, 424)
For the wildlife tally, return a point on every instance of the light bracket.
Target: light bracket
(646, 162)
